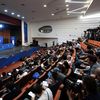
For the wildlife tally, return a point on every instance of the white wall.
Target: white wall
(22, 30)
(63, 29)
(49, 42)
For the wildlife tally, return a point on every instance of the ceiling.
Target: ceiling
(33, 10)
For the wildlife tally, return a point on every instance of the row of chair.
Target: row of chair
(20, 82)
(26, 89)
(83, 46)
(94, 43)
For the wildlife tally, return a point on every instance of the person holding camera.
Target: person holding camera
(90, 87)
(88, 92)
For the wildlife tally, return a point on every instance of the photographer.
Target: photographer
(77, 90)
(90, 87)
(68, 85)
(88, 92)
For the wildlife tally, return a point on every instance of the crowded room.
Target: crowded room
(49, 49)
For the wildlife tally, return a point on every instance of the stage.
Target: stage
(13, 51)
(15, 54)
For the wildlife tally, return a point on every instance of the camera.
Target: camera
(75, 85)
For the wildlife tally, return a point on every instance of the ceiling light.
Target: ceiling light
(67, 5)
(67, 9)
(75, 1)
(1, 25)
(52, 14)
(81, 16)
(86, 5)
(44, 5)
(67, 0)
(83, 11)
(5, 10)
(23, 17)
(12, 13)
(88, 1)
(90, 16)
(18, 15)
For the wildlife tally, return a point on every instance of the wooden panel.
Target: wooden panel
(83, 46)
(93, 42)
(10, 19)
(6, 35)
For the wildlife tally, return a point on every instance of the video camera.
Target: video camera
(75, 86)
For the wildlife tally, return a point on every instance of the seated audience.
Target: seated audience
(4, 75)
(68, 69)
(98, 56)
(69, 60)
(21, 74)
(91, 89)
(90, 50)
(41, 93)
(93, 63)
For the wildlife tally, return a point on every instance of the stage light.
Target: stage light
(67, 5)
(1, 26)
(45, 6)
(12, 13)
(23, 17)
(6, 10)
(52, 14)
(18, 15)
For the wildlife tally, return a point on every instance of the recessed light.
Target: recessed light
(67, 9)
(1, 25)
(18, 15)
(44, 5)
(52, 14)
(91, 16)
(67, 0)
(83, 11)
(12, 13)
(86, 5)
(5, 10)
(23, 17)
(67, 5)
(81, 16)
(88, 1)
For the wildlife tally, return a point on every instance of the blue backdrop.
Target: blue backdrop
(17, 57)
(25, 32)
(1, 39)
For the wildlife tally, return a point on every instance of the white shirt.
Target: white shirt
(47, 95)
